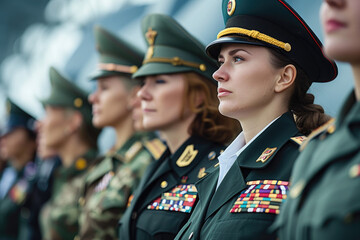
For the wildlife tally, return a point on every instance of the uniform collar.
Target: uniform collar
(195, 148)
(266, 145)
(350, 112)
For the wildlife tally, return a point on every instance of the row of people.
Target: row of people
(191, 184)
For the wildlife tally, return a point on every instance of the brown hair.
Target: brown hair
(208, 123)
(308, 116)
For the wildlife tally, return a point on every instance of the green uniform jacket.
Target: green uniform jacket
(109, 186)
(166, 195)
(12, 211)
(324, 196)
(59, 216)
(233, 211)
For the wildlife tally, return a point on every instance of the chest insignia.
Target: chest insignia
(261, 196)
(104, 182)
(180, 199)
(266, 155)
(19, 191)
(187, 156)
(354, 171)
(202, 173)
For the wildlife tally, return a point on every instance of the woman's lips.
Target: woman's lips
(222, 92)
(333, 25)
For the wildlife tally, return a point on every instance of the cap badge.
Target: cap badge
(78, 102)
(231, 7)
(266, 155)
(187, 156)
(150, 37)
(8, 107)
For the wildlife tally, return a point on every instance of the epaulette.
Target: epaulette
(156, 147)
(299, 139)
(328, 127)
(132, 151)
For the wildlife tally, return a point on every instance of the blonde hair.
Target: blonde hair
(208, 123)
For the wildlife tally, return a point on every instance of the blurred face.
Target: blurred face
(341, 24)
(54, 129)
(137, 114)
(12, 143)
(110, 102)
(246, 80)
(162, 101)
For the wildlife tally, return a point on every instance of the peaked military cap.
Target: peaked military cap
(66, 94)
(274, 24)
(117, 57)
(171, 49)
(17, 118)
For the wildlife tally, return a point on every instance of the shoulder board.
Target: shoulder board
(156, 147)
(132, 151)
(327, 127)
(299, 139)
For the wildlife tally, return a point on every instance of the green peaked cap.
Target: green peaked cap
(116, 56)
(274, 24)
(17, 117)
(171, 49)
(66, 94)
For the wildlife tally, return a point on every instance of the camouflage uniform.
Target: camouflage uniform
(59, 217)
(109, 186)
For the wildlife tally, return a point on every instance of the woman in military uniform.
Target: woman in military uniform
(324, 197)
(115, 176)
(178, 99)
(268, 58)
(18, 145)
(66, 129)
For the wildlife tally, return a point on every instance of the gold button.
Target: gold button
(82, 201)
(191, 235)
(212, 155)
(216, 165)
(80, 164)
(164, 184)
(297, 189)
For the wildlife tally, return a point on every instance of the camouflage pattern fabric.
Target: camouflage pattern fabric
(109, 186)
(59, 217)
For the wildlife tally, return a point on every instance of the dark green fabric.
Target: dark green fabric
(114, 50)
(277, 19)
(327, 205)
(173, 41)
(66, 94)
(139, 222)
(212, 219)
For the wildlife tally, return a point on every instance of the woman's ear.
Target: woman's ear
(76, 121)
(133, 98)
(286, 79)
(199, 98)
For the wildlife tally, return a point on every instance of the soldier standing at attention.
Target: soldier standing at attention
(268, 58)
(324, 195)
(18, 145)
(66, 129)
(115, 176)
(179, 100)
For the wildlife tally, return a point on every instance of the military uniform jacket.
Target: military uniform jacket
(59, 216)
(166, 195)
(247, 200)
(109, 185)
(12, 204)
(324, 196)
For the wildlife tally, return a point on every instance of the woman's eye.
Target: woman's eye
(159, 81)
(238, 59)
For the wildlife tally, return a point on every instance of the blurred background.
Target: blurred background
(36, 34)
